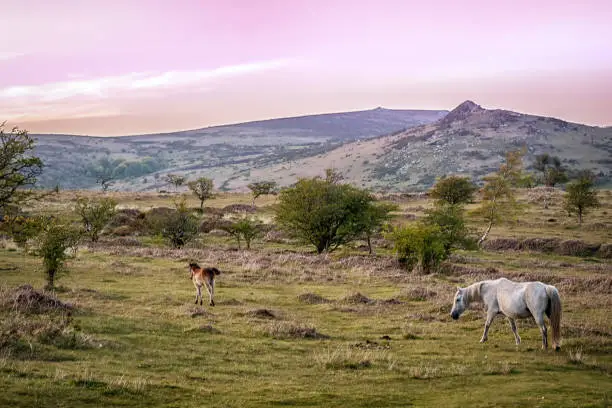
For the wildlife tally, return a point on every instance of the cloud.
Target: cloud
(112, 85)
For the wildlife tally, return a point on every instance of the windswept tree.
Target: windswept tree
(175, 180)
(323, 213)
(498, 193)
(453, 190)
(260, 188)
(95, 214)
(201, 188)
(580, 195)
(19, 169)
(551, 168)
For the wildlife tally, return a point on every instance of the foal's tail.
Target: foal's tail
(215, 271)
(554, 309)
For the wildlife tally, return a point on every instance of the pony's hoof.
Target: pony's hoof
(483, 340)
(558, 348)
(212, 304)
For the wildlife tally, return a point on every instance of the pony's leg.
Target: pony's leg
(485, 334)
(513, 327)
(539, 319)
(197, 294)
(209, 288)
(212, 292)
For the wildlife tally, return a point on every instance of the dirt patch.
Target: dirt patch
(549, 245)
(371, 345)
(312, 299)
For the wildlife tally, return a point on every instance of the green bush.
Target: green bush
(323, 212)
(453, 190)
(450, 221)
(419, 247)
(245, 229)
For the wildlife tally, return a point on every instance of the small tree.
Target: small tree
(551, 169)
(581, 196)
(201, 188)
(18, 168)
(419, 247)
(105, 180)
(454, 190)
(54, 243)
(323, 213)
(261, 188)
(175, 180)
(95, 215)
(498, 196)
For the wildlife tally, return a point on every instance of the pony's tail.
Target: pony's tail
(215, 271)
(555, 314)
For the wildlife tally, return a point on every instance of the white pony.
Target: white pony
(514, 300)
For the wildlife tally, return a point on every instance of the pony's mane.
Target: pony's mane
(473, 292)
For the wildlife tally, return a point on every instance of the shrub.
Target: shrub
(451, 223)
(419, 247)
(245, 229)
(54, 242)
(177, 227)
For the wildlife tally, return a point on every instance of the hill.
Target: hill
(222, 152)
(469, 140)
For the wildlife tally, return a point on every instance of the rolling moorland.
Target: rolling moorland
(222, 152)
(386, 150)
(292, 328)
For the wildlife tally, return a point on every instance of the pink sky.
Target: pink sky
(117, 67)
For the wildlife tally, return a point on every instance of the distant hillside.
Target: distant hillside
(469, 140)
(221, 152)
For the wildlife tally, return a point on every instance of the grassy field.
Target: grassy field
(292, 328)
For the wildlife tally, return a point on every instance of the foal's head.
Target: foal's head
(193, 267)
(459, 303)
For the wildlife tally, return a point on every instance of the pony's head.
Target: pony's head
(459, 304)
(194, 265)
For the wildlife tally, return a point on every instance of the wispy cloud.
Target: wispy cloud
(92, 97)
(111, 85)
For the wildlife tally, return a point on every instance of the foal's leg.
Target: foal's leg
(490, 317)
(513, 327)
(212, 292)
(539, 319)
